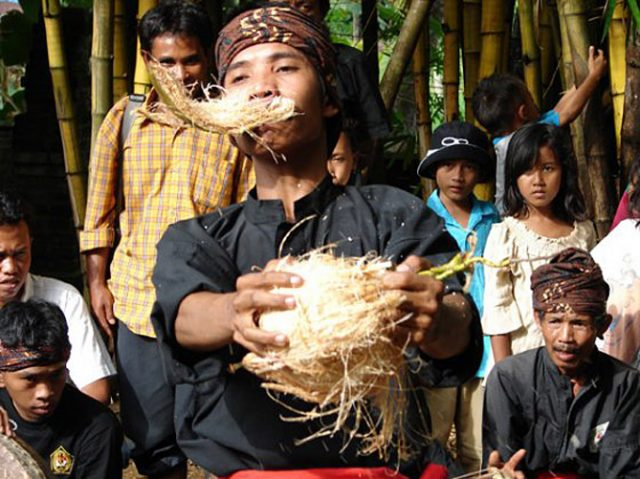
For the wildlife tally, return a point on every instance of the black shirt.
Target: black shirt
(529, 404)
(226, 422)
(81, 435)
(360, 97)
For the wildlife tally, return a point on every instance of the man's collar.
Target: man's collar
(592, 376)
(27, 289)
(272, 211)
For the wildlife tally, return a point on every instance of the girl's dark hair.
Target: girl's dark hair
(522, 155)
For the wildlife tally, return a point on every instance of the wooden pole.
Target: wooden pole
(75, 173)
(530, 51)
(451, 77)
(120, 52)
(404, 48)
(101, 64)
(141, 81)
(617, 71)
(471, 41)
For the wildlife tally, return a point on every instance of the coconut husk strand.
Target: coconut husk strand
(218, 111)
(341, 354)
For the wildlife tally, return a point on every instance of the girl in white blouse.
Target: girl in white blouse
(545, 213)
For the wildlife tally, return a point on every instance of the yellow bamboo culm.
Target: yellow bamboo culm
(101, 64)
(141, 81)
(618, 68)
(420, 69)
(548, 62)
(492, 33)
(120, 57)
(530, 51)
(75, 172)
(451, 76)
(471, 41)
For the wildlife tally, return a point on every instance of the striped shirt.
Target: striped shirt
(169, 174)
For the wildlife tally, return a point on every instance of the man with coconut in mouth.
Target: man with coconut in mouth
(210, 294)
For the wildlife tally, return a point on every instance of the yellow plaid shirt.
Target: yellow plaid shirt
(168, 175)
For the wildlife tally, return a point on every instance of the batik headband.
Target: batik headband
(572, 281)
(20, 357)
(278, 24)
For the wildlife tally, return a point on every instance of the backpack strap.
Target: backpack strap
(135, 101)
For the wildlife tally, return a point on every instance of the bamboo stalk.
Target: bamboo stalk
(548, 61)
(404, 48)
(471, 41)
(509, 6)
(492, 34)
(101, 64)
(420, 68)
(76, 179)
(587, 129)
(451, 70)
(120, 56)
(617, 69)
(530, 51)
(556, 30)
(631, 115)
(141, 81)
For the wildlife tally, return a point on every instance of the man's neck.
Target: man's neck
(288, 182)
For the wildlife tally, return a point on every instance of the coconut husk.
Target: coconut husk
(342, 355)
(19, 461)
(217, 111)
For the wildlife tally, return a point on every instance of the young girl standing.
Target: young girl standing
(545, 214)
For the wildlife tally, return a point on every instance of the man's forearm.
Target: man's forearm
(203, 322)
(574, 101)
(452, 334)
(97, 261)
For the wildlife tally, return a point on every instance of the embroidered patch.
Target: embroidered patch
(597, 433)
(60, 461)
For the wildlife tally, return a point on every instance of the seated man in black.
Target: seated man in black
(77, 436)
(209, 295)
(575, 410)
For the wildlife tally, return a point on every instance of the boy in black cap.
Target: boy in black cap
(457, 161)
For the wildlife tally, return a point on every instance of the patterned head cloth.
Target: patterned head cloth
(279, 24)
(572, 281)
(20, 357)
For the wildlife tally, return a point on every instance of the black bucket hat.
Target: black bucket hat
(458, 141)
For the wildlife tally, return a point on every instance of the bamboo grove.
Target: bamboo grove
(544, 41)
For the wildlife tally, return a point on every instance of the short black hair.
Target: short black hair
(522, 155)
(12, 210)
(176, 17)
(495, 102)
(34, 324)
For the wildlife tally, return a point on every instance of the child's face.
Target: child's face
(35, 391)
(540, 185)
(342, 161)
(456, 179)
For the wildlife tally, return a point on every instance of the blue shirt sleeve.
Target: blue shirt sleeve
(551, 117)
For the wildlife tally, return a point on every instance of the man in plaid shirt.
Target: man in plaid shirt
(166, 174)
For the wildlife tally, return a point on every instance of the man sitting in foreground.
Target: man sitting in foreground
(209, 295)
(77, 436)
(575, 410)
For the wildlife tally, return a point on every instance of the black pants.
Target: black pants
(146, 403)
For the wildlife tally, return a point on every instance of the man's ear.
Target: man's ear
(521, 113)
(606, 322)
(536, 316)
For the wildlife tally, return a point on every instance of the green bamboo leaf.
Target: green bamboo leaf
(607, 15)
(635, 11)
